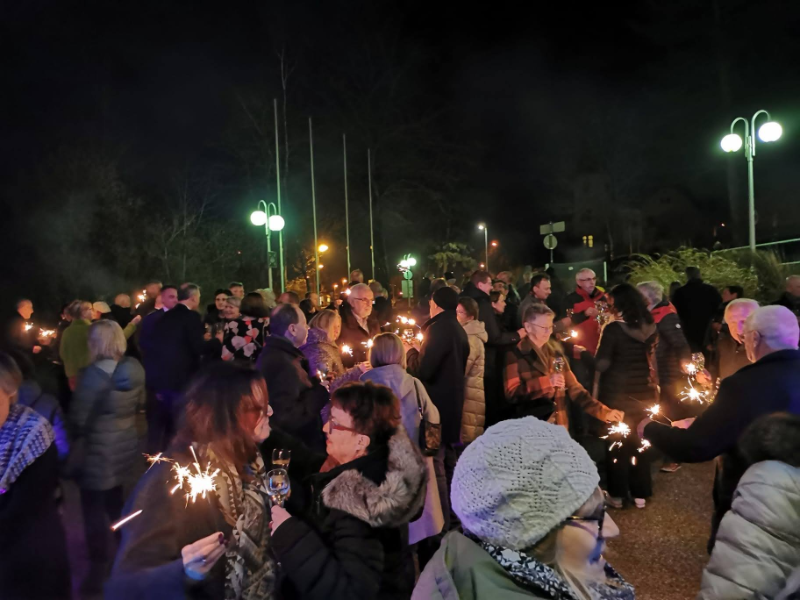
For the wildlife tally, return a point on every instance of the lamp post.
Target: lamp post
(768, 132)
(271, 221)
(485, 229)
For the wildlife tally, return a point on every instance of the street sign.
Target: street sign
(272, 259)
(550, 241)
(551, 227)
(408, 275)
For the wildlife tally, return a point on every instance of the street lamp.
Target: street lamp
(768, 132)
(272, 221)
(485, 229)
(323, 248)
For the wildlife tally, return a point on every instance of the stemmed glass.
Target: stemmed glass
(278, 486)
(281, 458)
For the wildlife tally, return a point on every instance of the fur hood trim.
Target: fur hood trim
(394, 502)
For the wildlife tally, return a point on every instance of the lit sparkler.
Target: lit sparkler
(692, 394)
(200, 483)
(573, 333)
(347, 350)
(645, 445)
(45, 333)
(122, 522)
(27, 326)
(420, 337)
(655, 411)
(153, 460)
(619, 428)
(369, 344)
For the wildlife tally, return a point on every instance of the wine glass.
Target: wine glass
(281, 458)
(278, 486)
(558, 364)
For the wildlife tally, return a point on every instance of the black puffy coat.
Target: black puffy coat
(672, 351)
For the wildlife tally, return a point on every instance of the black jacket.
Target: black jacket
(672, 351)
(172, 346)
(295, 395)
(770, 385)
(441, 365)
(696, 303)
(383, 311)
(354, 336)
(790, 302)
(348, 535)
(499, 340)
(121, 315)
(16, 337)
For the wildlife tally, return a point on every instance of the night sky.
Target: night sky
(525, 100)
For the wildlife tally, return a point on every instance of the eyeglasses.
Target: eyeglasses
(334, 426)
(546, 328)
(360, 299)
(599, 518)
(587, 279)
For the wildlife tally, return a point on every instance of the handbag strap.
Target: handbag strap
(419, 402)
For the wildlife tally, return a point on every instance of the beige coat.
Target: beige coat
(474, 415)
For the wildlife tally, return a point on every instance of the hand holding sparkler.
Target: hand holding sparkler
(200, 557)
(655, 412)
(619, 429)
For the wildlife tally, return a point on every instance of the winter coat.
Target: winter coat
(324, 357)
(16, 336)
(731, 355)
(103, 411)
(770, 385)
(243, 339)
(588, 328)
(383, 311)
(295, 395)
(672, 350)
(758, 542)
(440, 364)
(30, 394)
(696, 303)
(354, 336)
(74, 348)
(497, 337)
(121, 315)
(790, 302)
(625, 361)
(348, 539)
(474, 417)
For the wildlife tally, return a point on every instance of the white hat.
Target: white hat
(519, 480)
(101, 307)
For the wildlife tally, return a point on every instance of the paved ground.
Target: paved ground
(662, 548)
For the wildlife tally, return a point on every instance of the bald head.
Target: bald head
(736, 314)
(770, 329)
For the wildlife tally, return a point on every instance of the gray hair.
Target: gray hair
(387, 349)
(106, 341)
(743, 303)
(584, 270)
(652, 290)
(777, 326)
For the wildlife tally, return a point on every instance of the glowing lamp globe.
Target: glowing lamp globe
(276, 223)
(412, 262)
(404, 263)
(481, 226)
(731, 142)
(770, 131)
(258, 218)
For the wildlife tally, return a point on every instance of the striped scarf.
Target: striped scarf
(24, 437)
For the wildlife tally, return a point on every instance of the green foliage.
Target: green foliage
(769, 271)
(452, 253)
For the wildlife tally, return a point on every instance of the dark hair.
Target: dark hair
(470, 306)
(539, 278)
(308, 295)
(222, 291)
(494, 296)
(293, 297)
(168, 287)
(374, 408)
(282, 317)
(222, 409)
(306, 305)
(153, 282)
(234, 284)
(735, 289)
(534, 310)
(187, 290)
(253, 305)
(772, 437)
(480, 277)
(692, 273)
(629, 302)
(437, 284)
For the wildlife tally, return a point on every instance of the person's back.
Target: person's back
(407, 389)
(474, 412)
(623, 362)
(171, 351)
(696, 303)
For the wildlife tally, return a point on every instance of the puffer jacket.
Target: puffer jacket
(30, 394)
(324, 357)
(474, 415)
(672, 350)
(758, 542)
(103, 411)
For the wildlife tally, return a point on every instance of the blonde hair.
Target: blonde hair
(106, 341)
(76, 308)
(325, 320)
(387, 349)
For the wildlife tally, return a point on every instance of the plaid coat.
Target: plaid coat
(528, 387)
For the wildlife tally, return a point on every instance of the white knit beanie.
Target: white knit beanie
(519, 480)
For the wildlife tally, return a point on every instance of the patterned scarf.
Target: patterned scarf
(250, 571)
(24, 437)
(535, 575)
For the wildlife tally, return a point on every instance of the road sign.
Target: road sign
(408, 275)
(550, 241)
(552, 228)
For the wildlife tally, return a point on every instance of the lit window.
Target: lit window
(591, 241)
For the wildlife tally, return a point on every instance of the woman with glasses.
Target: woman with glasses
(534, 528)
(344, 531)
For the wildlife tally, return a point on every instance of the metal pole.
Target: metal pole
(486, 244)
(278, 182)
(371, 233)
(751, 193)
(314, 205)
(346, 207)
(269, 244)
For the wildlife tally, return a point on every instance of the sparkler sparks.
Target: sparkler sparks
(645, 445)
(47, 332)
(27, 326)
(122, 522)
(368, 344)
(420, 337)
(156, 459)
(199, 483)
(694, 395)
(619, 428)
(347, 350)
(655, 412)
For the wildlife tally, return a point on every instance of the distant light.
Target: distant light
(483, 266)
(344, 281)
(276, 223)
(321, 266)
(731, 142)
(412, 262)
(770, 131)
(481, 226)
(258, 218)
(335, 285)
(404, 263)
(323, 247)
(494, 244)
(722, 224)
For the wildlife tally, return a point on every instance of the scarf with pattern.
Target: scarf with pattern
(24, 437)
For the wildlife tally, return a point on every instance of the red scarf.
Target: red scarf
(662, 311)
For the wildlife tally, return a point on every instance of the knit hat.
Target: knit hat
(519, 480)
(446, 298)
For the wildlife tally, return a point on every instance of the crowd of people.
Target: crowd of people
(467, 447)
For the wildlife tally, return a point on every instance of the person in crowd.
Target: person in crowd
(422, 311)
(713, 331)
(218, 545)
(215, 312)
(388, 361)
(30, 394)
(512, 296)
(524, 281)
(497, 343)
(309, 310)
(269, 298)
(499, 286)
(237, 289)
(757, 545)
(672, 353)
(232, 310)
(356, 276)
(557, 301)
(771, 384)
(541, 288)
(33, 555)
(383, 306)
(152, 290)
(731, 292)
(791, 297)
(583, 304)
(349, 538)
(100, 310)
(425, 285)
(121, 310)
(74, 348)
(696, 303)
(473, 419)
(172, 353)
(624, 382)
(359, 324)
(323, 355)
(20, 333)
(534, 385)
(296, 394)
(729, 353)
(289, 298)
(440, 363)
(64, 319)
(532, 529)
(244, 335)
(103, 425)
(449, 277)
(167, 299)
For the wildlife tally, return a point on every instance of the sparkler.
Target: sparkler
(200, 483)
(47, 333)
(645, 445)
(156, 459)
(694, 395)
(420, 337)
(369, 344)
(27, 326)
(620, 429)
(347, 350)
(655, 411)
(122, 522)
